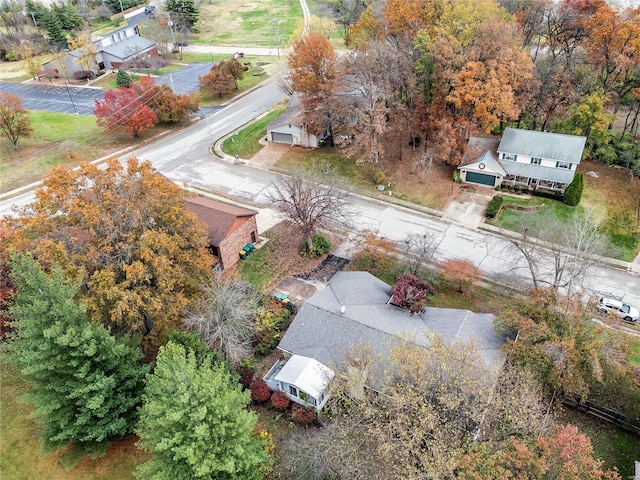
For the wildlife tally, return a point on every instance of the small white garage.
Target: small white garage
(485, 172)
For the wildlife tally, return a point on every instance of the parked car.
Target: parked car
(616, 307)
(181, 43)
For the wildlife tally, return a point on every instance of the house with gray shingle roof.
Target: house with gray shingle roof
(110, 51)
(291, 128)
(525, 158)
(354, 310)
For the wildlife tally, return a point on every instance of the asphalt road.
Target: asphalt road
(185, 158)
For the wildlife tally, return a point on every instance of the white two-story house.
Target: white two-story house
(524, 158)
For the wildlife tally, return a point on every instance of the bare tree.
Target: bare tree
(313, 201)
(418, 249)
(225, 316)
(560, 254)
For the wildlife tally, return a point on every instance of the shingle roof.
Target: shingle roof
(554, 146)
(476, 146)
(128, 47)
(219, 217)
(550, 174)
(321, 331)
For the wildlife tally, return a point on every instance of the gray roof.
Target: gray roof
(476, 146)
(128, 47)
(490, 163)
(322, 332)
(550, 174)
(553, 146)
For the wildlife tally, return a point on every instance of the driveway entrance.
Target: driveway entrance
(468, 209)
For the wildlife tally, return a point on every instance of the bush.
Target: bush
(123, 79)
(320, 246)
(378, 178)
(303, 415)
(260, 391)
(494, 206)
(548, 194)
(84, 75)
(573, 193)
(280, 401)
(411, 293)
(270, 323)
(246, 376)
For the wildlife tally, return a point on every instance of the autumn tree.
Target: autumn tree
(223, 78)
(460, 274)
(411, 293)
(29, 58)
(122, 110)
(312, 64)
(125, 234)
(85, 51)
(194, 422)
(84, 382)
(557, 341)
(168, 106)
(564, 454)
(225, 316)
(312, 201)
(14, 118)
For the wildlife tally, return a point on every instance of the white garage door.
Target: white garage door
(282, 137)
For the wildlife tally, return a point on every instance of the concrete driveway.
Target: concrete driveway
(468, 209)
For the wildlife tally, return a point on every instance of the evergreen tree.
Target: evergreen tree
(194, 421)
(184, 13)
(573, 192)
(53, 26)
(69, 16)
(85, 383)
(123, 79)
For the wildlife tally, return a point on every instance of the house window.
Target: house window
(293, 390)
(565, 165)
(312, 400)
(509, 156)
(536, 161)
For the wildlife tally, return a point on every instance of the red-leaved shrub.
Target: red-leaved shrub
(260, 391)
(246, 376)
(280, 401)
(301, 414)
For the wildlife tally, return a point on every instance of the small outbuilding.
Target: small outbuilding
(229, 228)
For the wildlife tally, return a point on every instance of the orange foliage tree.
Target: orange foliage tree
(125, 234)
(223, 78)
(312, 64)
(123, 110)
(460, 274)
(565, 455)
(14, 118)
(168, 106)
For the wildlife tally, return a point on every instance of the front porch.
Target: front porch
(530, 183)
(304, 380)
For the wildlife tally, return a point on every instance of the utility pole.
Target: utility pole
(71, 98)
(277, 31)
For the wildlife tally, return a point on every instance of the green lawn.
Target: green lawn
(245, 142)
(56, 138)
(635, 352)
(626, 243)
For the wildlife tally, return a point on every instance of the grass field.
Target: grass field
(246, 22)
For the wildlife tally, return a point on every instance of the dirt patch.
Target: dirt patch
(325, 271)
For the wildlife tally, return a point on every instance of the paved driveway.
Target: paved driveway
(184, 80)
(52, 98)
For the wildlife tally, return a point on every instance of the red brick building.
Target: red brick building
(229, 228)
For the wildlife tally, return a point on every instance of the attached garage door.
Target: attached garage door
(481, 178)
(282, 137)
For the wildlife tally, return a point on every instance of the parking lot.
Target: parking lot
(52, 98)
